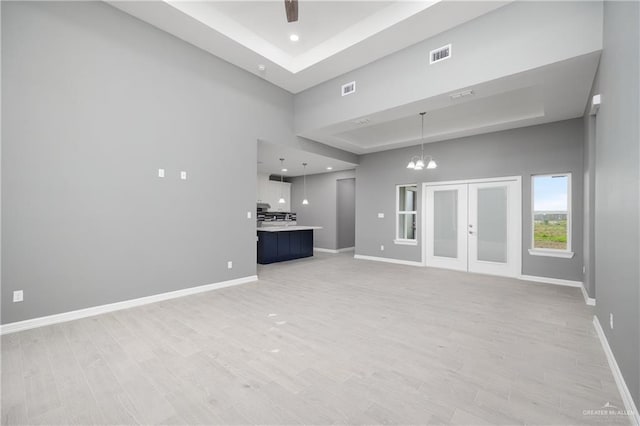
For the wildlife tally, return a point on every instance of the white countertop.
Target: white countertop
(287, 228)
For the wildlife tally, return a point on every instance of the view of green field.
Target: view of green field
(550, 234)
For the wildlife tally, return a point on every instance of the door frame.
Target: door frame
(518, 219)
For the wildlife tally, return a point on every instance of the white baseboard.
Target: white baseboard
(324, 250)
(343, 250)
(547, 280)
(97, 310)
(388, 260)
(557, 281)
(627, 399)
(588, 300)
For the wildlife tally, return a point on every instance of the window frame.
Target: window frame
(406, 241)
(549, 252)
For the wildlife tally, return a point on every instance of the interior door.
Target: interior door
(494, 228)
(446, 226)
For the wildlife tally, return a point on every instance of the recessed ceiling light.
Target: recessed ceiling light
(261, 67)
(284, 170)
(329, 168)
(294, 37)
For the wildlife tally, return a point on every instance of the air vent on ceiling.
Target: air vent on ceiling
(440, 54)
(348, 88)
(461, 94)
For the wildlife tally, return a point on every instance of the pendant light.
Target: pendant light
(418, 163)
(281, 200)
(305, 202)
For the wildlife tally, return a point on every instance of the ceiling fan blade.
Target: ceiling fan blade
(291, 6)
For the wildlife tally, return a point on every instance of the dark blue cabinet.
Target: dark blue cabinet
(284, 245)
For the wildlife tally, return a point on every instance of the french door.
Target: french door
(474, 226)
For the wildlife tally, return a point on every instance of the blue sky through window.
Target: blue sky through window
(550, 193)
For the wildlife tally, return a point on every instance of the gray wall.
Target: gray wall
(346, 211)
(93, 102)
(525, 30)
(548, 148)
(322, 209)
(589, 161)
(617, 181)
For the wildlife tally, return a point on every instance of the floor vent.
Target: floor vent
(440, 54)
(348, 88)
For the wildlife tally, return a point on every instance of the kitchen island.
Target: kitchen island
(280, 243)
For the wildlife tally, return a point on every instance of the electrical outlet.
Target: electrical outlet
(381, 248)
(229, 264)
(380, 215)
(160, 172)
(183, 175)
(18, 296)
(611, 321)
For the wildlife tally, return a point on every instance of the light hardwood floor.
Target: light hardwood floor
(323, 340)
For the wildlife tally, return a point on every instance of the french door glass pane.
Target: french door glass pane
(445, 223)
(407, 226)
(492, 224)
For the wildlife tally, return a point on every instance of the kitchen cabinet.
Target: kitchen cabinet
(275, 190)
(284, 245)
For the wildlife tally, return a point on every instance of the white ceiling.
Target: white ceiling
(269, 161)
(319, 21)
(339, 36)
(335, 36)
(551, 93)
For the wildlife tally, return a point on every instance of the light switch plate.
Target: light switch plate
(18, 296)
(248, 215)
(183, 175)
(380, 215)
(229, 265)
(160, 172)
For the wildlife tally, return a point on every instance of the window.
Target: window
(551, 215)
(406, 213)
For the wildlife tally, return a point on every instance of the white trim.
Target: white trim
(342, 250)
(590, 301)
(627, 399)
(551, 253)
(388, 260)
(547, 280)
(334, 251)
(324, 250)
(406, 242)
(463, 181)
(14, 327)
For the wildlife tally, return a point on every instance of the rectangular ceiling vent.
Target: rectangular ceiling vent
(440, 54)
(349, 88)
